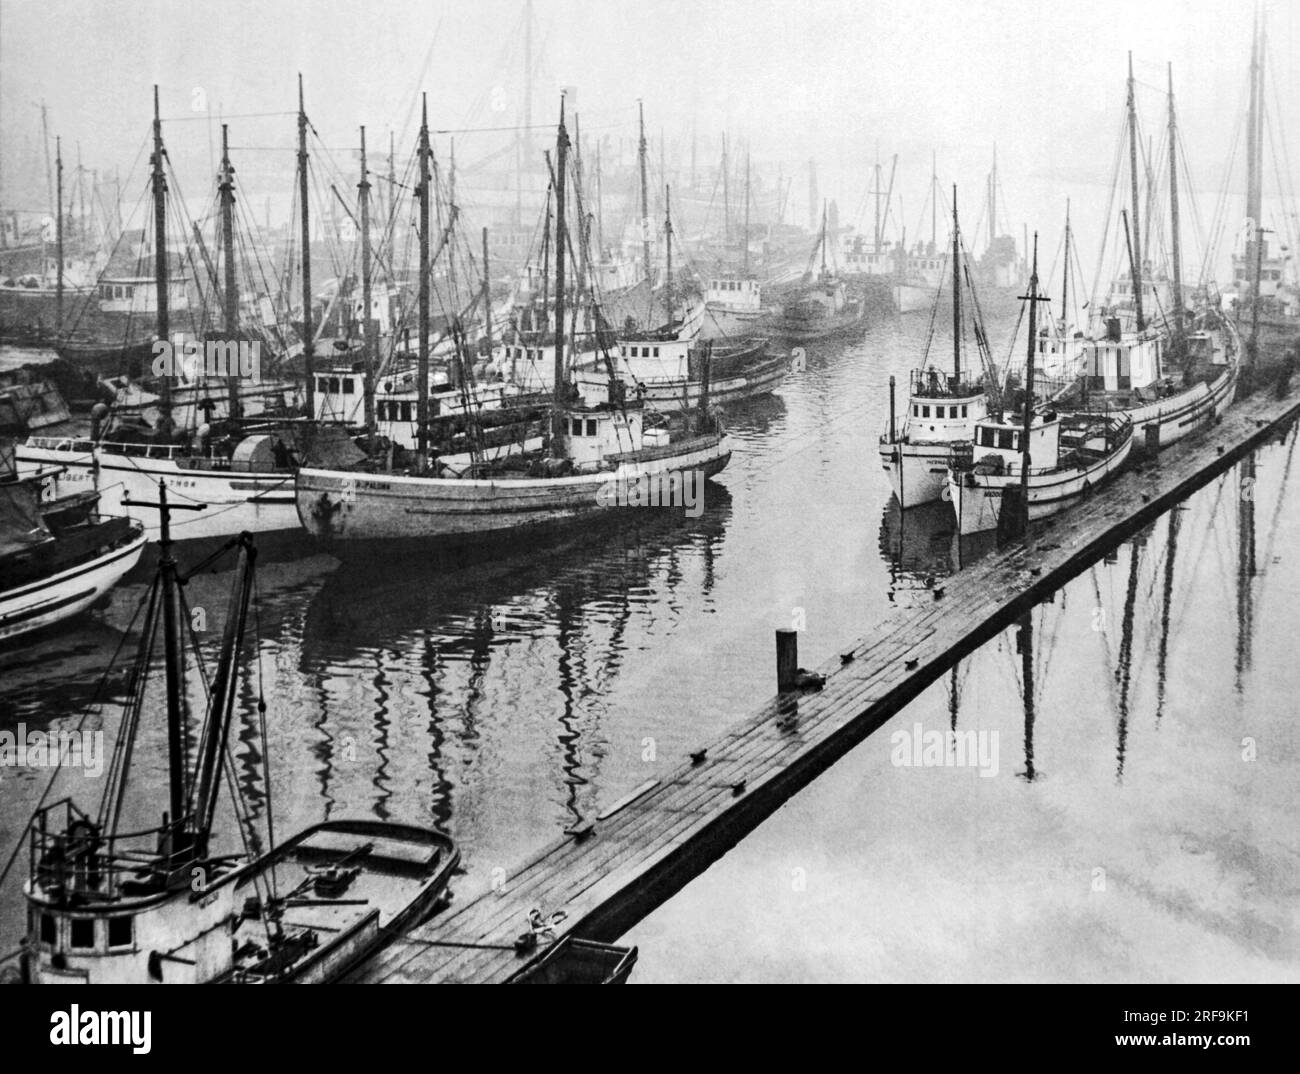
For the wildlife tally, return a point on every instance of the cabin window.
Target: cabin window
(120, 932)
(348, 385)
(1006, 439)
(925, 411)
(656, 352)
(49, 930)
(81, 932)
(963, 410)
(406, 411)
(575, 427)
(591, 426)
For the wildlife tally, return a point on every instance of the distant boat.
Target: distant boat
(821, 308)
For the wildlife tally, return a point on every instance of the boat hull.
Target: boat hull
(918, 472)
(70, 592)
(253, 502)
(761, 379)
(977, 499)
(337, 507)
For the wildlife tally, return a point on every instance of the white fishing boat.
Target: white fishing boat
(942, 408)
(109, 905)
(59, 558)
(1069, 457)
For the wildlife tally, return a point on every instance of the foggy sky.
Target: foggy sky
(829, 79)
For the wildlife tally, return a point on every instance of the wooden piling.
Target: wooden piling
(787, 659)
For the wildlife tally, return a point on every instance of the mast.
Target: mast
(230, 299)
(745, 237)
(726, 194)
(487, 297)
(173, 671)
(668, 246)
(1173, 210)
(956, 292)
(367, 319)
(600, 215)
(645, 197)
(1065, 271)
(308, 339)
(934, 201)
(159, 181)
(1254, 154)
(877, 193)
(45, 137)
(823, 239)
(1136, 229)
(1034, 299)
(58, 235)
(561, 238)
(422, 365)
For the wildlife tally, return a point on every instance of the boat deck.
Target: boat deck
(611, 871)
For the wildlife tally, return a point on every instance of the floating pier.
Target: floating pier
(611, 871)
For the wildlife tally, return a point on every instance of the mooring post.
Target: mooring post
(787, 659)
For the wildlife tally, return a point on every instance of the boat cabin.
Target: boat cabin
(1003, 439)
(592, 435)
(1120, 362)
(137, 294)
(733, 295)
(942, 406)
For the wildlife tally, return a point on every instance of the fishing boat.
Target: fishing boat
(820, 309)
(671, 368)
(571, 960)
(108, 905)
(57, 558)
(1013, 472)
(601, 451)
(1171, 375)
(942, 408)
(239, 470)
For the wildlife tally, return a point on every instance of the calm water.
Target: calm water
(506, 697)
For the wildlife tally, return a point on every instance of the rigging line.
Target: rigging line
(96, 699)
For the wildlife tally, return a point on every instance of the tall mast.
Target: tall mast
(45, 136)
(600, 215)
(822, 242)
(487, 297)
(173, 671)
(1254, 182)
(422, 365)
(367, 315)
(308, 338)
(956, 291)
(1065, 271)
(668, 246)
(993, 198)
(1176, 248)
(1136, 229)
(745, 237)
(163, 327)
(230, 299)
(1028, 416)
(58, 234)
(934, 201)
(726, 193)
(877, 193)
(561, 238)
(645, 194)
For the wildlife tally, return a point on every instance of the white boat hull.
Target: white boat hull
(918, 472)
(42, 603)
(977, 498)
(233, 502)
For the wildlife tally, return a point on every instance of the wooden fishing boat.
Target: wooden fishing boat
(573, 961)
(161, 904)
(1016, 471)
(58, 558)
(601, 451)
(942, 408)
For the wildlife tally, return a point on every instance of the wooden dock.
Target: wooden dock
(620, 866)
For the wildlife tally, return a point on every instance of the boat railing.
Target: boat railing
(69, 859)
(933, 384)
